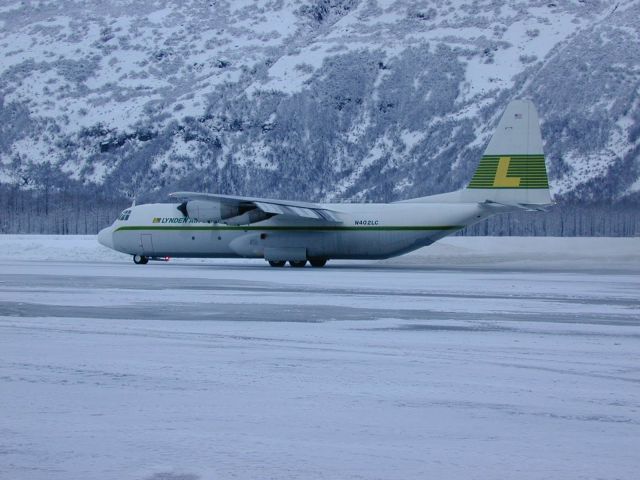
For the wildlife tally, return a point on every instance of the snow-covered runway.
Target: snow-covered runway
(476, 358)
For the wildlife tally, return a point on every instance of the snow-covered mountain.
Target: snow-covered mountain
(317, 100)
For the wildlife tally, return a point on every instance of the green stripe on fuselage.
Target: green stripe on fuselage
(301, 228)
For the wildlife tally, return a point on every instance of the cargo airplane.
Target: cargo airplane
(511, 176)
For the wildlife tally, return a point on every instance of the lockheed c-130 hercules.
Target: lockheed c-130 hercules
(511, 175)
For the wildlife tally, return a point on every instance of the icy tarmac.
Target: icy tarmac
(477, 358)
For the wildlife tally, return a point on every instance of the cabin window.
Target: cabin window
(124, 216)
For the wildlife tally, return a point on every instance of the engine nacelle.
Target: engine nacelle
(208, 211)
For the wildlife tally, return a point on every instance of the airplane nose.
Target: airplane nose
(105, 237)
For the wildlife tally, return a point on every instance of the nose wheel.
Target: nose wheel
(140, 259)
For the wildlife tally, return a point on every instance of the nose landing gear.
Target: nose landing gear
(140, 259)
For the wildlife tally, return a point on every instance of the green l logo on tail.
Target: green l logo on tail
(501, 179)
(510, 171)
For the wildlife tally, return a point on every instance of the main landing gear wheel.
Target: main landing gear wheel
(140, 259)
(297, 263)
(277, 263)
(318, 262)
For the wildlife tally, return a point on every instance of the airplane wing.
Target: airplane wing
(269, 206)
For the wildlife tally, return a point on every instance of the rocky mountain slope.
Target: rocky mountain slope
(366, 100)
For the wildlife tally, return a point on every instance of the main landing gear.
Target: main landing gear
(317, 262)
(140, 259)
(314, 261)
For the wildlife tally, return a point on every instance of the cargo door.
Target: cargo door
(146, 242)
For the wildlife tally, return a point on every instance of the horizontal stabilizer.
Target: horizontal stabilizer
(531, 207)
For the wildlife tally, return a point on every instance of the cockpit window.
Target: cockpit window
(124, 216)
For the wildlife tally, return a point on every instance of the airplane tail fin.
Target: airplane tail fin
(512, 172)
(512, 169)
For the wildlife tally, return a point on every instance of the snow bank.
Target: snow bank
(507, 252)
(534, 252)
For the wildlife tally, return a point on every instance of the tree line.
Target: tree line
(86, 211)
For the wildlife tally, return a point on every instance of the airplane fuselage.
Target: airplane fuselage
(366, 231)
